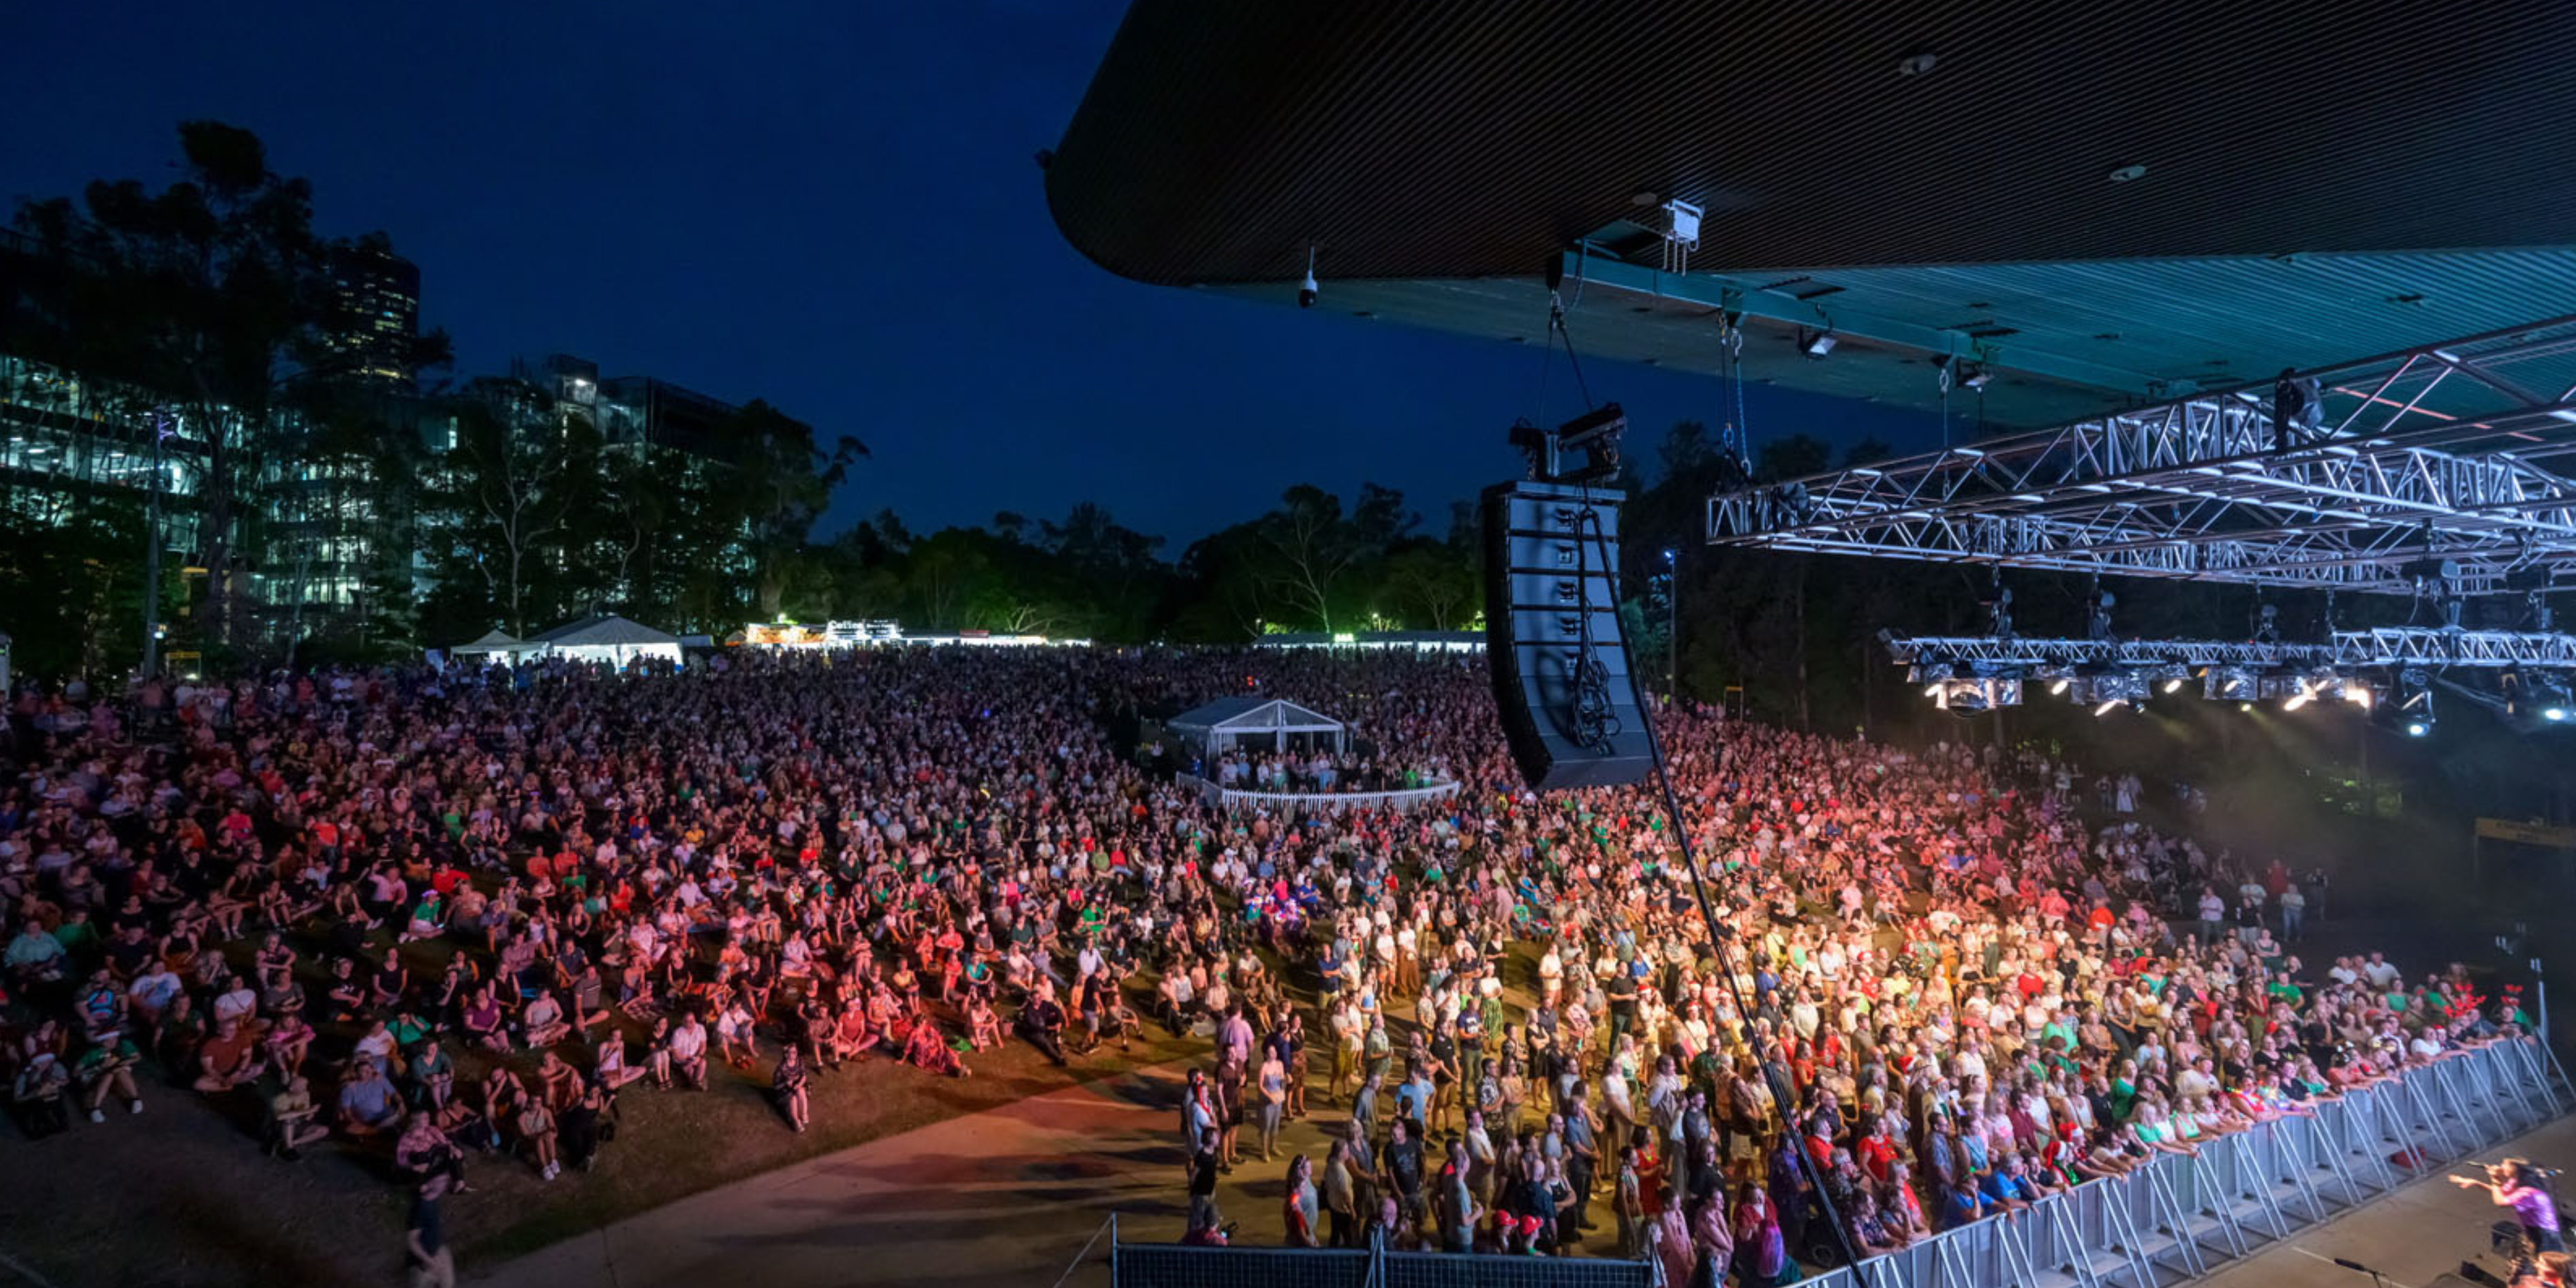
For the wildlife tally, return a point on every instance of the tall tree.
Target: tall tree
(1312, 547)
(1431, 585)
(1686, 449)
(780, 480)
(505, 495)
(207, 299)
(210, 292)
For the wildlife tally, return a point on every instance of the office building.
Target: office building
(375, 314)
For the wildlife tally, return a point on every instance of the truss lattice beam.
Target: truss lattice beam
(2379, 647)
(2436, 451)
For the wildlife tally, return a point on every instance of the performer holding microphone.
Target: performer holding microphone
(2516, 1184)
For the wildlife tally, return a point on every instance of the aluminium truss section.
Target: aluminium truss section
(1986, 651)
(2423, 646)
(2376, 647)
(2453, 451)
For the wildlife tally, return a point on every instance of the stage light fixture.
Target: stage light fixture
(1820, 344)
(2541, 693)
(2105, 708)
(2230, 684)
(2058, 685)
(2409, 705)
(1970, 694)
(2173, 684)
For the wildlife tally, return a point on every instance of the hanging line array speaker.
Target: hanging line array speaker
(1553, 640)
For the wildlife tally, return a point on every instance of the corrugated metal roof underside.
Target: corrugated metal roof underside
(1476, 138)
(2173, 326)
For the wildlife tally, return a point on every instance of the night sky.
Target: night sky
(831, 206)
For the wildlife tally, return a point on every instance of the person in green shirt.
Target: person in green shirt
(2124, 1093)
(109, 1066)
(1377, 1051)
(78, 936)
(409, 1030)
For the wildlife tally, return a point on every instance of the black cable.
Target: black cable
(1556, 323)
(1596, 719)
(1780, 1091)
(1546, 359)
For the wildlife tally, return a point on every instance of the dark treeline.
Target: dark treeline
(202, 311)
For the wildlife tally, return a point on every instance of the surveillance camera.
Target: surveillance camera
(1306, 292)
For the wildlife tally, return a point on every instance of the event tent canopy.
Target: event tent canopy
(607, 638)
(1227, 722)
(493, 641)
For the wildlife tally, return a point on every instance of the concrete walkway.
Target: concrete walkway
(1008, 1196)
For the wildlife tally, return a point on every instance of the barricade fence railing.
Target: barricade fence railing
(1320, 802)
(2171, 1220)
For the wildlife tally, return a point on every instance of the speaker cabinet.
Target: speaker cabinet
(1552, 637)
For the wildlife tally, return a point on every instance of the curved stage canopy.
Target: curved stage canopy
(2308, 181)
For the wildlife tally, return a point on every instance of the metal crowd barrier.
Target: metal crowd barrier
(2167, 1222)
(1325, 802)
(2180, 1216)
(1171, 1265)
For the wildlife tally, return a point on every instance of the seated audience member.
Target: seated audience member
(368, 1102)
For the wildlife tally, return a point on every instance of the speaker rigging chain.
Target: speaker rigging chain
(1556, 324)
(1596, 719)
(1546, 359)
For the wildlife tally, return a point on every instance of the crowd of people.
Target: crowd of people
(1320, 772)
(463, 915)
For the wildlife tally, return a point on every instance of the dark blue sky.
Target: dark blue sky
(832, 206)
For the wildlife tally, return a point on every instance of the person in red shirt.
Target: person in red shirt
(1876, 1152)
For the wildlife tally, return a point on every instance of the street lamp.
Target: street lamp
(1672, 624)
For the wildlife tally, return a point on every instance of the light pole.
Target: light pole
(1672, 624)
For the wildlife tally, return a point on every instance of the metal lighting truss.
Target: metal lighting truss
(2413, 646)
(1987, 654)
(2448, 453)
(2381, 647)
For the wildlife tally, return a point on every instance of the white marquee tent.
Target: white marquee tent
(610, 638)
(494, 642)
(1230, 722)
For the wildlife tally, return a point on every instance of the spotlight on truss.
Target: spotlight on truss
(2533, 699)
(2229, 684)
(2409, 705)
(2532, 693)
(1969, 695)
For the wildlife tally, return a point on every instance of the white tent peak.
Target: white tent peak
(603, 630)
(1230, 721)
(494, 640)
